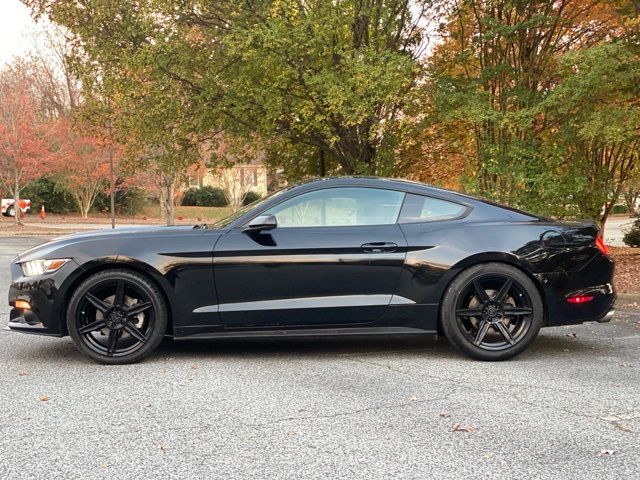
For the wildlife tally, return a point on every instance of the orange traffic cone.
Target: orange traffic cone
(43, 214)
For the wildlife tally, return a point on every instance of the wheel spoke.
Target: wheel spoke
(135, 332)
(514, 311)
(138, 308)
(92, 326)
(469, 312)
(505, 332)
(99, 304)
(501, 296)
(480, 292)
(119, 297)
(113, 340)
(482, 332)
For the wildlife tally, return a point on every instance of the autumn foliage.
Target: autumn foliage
(79, 163)
(23, 139)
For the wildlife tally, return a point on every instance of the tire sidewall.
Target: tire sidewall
(159, 306)
(449, 322)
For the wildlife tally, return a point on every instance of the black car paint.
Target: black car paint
(223, 280)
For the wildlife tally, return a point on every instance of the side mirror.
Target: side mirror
(261, 222)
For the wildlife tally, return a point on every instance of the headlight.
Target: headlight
(39, 267)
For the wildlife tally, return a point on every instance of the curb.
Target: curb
(628, 298)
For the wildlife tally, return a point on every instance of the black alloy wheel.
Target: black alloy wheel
(117, 316)
(492, 312)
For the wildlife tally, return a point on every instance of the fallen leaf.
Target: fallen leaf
(458, 427)
(572, 335)
(195, 367)
(444, 414)
(413, 399)
(604, 452)
(22, 374)
(161, 447)
(293, 434)
(44, 398)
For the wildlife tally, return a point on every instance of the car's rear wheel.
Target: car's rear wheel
(11, 211)
(117, 317)
(491, 311)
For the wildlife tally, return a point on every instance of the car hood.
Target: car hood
(48, 249)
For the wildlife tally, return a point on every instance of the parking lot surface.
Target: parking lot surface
(392, 407)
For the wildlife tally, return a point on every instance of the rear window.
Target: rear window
(418, 208)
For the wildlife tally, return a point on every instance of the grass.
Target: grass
(201, 214)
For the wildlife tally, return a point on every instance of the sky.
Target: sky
(15, 25)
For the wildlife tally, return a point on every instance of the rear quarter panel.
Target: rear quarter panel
(552, 254)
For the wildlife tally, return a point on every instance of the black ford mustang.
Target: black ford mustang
(333, 256)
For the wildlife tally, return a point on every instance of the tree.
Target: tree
(491, 79)
(23, 145)
(601, 140)
(332, 77)
(79, 163)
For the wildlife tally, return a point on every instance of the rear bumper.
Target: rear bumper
(595, 279)
(607, 317)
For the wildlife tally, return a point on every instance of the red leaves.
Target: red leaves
(23, 138)
(627, 274)
(458, 427)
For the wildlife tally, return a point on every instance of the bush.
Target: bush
(632, 235)
(204, 197)
(619, 209)
(128, 201)
(45, 192)
(251, 197)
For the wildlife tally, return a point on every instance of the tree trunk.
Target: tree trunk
(631, 197)
(163, 211)
(168, 201)
(16, 197)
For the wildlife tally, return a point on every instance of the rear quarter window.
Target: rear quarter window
(419, 208)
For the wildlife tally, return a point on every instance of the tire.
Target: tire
(11, 211)
(117, 317)
(496, 325)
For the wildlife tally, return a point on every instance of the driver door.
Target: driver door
(334, 258)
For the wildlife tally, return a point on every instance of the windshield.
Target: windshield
(226, 221)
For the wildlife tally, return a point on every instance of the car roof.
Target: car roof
(383, 182)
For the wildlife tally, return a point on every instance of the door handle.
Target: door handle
(379, 247)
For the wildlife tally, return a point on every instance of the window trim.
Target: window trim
(465, 212)
(332, 187)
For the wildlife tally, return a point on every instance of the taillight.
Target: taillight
(580, 299)
(600, 245)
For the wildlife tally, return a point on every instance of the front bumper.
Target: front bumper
(25, 322)
(42, 294)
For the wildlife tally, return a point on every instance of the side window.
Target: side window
(339, 207)
(418, 208)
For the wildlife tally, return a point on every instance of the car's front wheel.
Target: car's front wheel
(491, 311)
(117, 316)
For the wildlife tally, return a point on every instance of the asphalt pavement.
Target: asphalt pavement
(370, 408)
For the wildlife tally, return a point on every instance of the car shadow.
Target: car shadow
(427, 346)
(304, 346)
